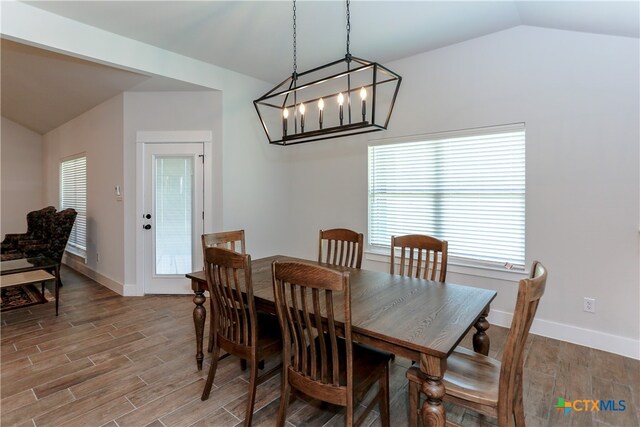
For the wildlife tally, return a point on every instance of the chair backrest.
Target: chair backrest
(228, 277)
(233, 240)
(529, 293)
(304, 295)
(340, 246)
(420, 256)
(39, 222)
(58, 233)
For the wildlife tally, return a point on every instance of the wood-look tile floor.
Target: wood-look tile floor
(112, 361)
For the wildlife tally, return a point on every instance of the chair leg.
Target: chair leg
(212, 373)
(385, 413)
(518, 407)
(414, 400)
(253, 383)
(284, 398)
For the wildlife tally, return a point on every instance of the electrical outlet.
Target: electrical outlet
(590, 305)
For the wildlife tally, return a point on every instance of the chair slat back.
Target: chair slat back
(232, 240)
(529, 293)
(229, 277)
(420, 256)
(305, 297)
(340, 246)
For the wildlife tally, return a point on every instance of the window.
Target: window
(466, 187)
(73, 194)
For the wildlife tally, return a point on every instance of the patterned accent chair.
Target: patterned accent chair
(55, 239)
(38, 223)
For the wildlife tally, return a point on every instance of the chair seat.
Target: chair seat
(469, 376)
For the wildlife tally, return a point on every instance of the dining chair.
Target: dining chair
(340, 246)
(484, 384)
(317, 361)
(233, 240)
(420, 256)
(240, 329)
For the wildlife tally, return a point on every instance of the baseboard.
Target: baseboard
(77, 263)
(623, 346)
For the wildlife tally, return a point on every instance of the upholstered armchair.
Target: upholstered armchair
(55, 239)
(38, 222)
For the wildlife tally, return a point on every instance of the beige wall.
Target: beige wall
(98, 134)
(22, 186)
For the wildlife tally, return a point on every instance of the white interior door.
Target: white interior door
(173, 216)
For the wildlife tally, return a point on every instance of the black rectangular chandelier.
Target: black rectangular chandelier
(345, 97)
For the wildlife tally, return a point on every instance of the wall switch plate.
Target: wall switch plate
(589, 305)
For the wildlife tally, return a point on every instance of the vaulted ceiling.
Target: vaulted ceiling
(255, 38)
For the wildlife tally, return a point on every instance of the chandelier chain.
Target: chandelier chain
(348, 26)
(295, 58)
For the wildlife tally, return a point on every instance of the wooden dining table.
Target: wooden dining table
(418, 319)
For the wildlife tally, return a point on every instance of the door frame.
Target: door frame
(168, 137)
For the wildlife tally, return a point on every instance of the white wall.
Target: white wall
(578, 94)
(21, 156)
(98, 134)
(254, 173)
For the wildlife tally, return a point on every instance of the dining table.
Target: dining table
(421, 320)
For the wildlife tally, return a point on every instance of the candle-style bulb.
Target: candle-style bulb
(363, 96)
(340, 99)
(321, 108)
(340, 102)
(285, 116)
(302, 108)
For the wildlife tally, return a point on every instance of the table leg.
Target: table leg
(481, 342)
(199, 317)
(433, 413)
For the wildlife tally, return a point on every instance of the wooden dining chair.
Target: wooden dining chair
(420, 256)
(340, 246)
(481, 383)
(233, 240)
(316, 360)
(241, 330)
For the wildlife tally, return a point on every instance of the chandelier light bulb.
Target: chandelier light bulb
(321, 104)
(340, 99)
(285, 113)
(302, 108)
(363, 94)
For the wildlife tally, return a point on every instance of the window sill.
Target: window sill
(459, 266)
(76, 253)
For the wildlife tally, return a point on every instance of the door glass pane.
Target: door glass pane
(173, 214)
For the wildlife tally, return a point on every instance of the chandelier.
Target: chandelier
(345, 97)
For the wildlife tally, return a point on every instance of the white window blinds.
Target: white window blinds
(73, 194)
(466, 187)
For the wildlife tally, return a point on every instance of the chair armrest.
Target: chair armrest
(13, 238)
(33, 249)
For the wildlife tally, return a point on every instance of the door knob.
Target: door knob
(148, 216)
(147, 226)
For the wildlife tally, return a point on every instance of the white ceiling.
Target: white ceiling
(255, 37)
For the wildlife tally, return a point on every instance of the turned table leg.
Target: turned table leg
(481, 340)
(199, 316)
(433, 413)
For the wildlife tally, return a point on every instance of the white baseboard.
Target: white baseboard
(623, 346)
(78, 264)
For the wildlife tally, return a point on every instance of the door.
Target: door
(173, 216)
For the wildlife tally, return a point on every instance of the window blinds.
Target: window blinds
(73, 194)
(466, 187)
